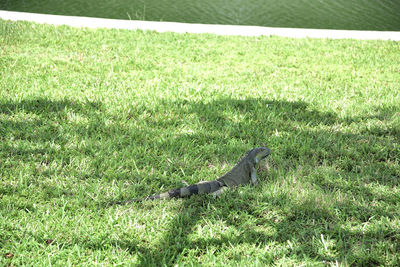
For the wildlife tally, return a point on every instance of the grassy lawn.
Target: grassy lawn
(88, 117)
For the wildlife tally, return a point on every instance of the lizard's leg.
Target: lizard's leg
(185, 183)
(219, 191)
(254, 176)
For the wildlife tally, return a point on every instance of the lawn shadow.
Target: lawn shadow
(34, 132)
(300, 138)
(315, 147)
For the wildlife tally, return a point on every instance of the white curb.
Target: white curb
(198, 28)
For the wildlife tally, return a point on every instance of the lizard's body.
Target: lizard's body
(242, 173)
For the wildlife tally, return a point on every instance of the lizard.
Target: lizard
(244, 172)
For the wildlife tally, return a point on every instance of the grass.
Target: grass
(88, 117)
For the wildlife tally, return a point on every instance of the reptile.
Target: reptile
(244, 172)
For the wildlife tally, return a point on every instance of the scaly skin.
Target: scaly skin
(242, 173)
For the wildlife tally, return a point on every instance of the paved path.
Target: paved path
(197, 28)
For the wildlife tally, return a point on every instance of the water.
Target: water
(381, 15)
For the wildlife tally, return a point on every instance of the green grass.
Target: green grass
(88, 117)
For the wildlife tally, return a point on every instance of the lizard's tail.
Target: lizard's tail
(200, 188)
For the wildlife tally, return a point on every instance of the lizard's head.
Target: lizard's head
(259, 153)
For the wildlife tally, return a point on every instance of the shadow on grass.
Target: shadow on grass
(331, 154)
(300, 138)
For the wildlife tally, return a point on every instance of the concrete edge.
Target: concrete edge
(197, 28)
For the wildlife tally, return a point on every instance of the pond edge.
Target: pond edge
(180, 27)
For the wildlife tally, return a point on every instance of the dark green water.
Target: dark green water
(383, 15)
